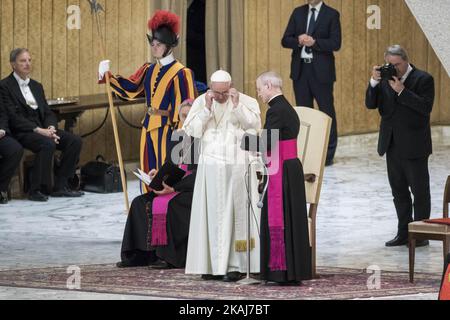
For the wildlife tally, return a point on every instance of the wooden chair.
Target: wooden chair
(16, 187)
(312, 148)
(429, 231)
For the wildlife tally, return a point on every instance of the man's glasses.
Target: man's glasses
(221, 94)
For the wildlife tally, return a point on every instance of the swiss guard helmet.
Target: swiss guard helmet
(164, 27)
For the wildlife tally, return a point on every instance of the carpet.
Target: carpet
(333, 283)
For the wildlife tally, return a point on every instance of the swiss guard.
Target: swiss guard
(165, 85)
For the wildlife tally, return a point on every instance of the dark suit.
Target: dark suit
(315, 80)
(24, 120)
(10, 150)
(405, 138)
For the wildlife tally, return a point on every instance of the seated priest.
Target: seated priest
(159, 239)
(35, 126)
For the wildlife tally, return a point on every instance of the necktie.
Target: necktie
(24, 83)
(311, 27)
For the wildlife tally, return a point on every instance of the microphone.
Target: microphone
(260, 203)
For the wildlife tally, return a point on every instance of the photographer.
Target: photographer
(404, 98)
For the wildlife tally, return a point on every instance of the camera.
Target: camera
(388, 72)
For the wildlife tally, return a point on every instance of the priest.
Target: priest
(157, 227)
(285, 247)
(217, 238)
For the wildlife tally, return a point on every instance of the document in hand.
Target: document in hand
(170, 174)
(145, 178)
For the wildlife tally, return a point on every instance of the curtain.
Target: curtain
(225, 39)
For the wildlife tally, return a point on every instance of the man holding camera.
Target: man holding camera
(404, 97)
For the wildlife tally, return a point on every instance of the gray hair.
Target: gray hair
(396, 50)
(271, 77)
(16, 53)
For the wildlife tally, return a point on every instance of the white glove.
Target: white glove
(103, 68)
(2, 133)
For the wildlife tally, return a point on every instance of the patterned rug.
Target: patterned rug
(333, 283)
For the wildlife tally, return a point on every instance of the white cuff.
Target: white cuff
(374, 83)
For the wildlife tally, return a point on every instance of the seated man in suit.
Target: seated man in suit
(35, 127)
(10, 154)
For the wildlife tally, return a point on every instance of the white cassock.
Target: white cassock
(217, 235)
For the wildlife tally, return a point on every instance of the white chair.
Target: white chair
(312, 142)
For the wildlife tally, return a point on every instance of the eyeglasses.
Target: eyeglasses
(222, 94)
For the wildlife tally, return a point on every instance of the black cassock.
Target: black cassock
(282, 116)
(136, 244)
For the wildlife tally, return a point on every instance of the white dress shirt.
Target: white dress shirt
(26, 91)
(304, 54)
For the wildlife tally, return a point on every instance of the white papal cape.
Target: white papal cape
(217, 235)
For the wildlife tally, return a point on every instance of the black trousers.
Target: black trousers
(10, 155)
(307, 88)
(44, 148)
(408, 176)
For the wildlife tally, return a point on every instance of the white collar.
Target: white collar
(408, 72)
(318, 6)
(167, 60)
(277, 95)
(20, 81)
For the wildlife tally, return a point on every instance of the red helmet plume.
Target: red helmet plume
(165, 18)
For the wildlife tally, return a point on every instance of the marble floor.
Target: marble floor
(356, 217)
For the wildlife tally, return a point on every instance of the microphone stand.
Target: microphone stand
(248, 280)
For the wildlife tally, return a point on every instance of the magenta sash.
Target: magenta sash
(284, 150)
(159, 212)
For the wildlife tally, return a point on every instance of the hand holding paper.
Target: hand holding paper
(145, 178)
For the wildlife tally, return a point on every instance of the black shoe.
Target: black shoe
(3, 197)
(161, 265)
(397, 241)
(420, 243)
(209, 277)
(37, 196)
(232, 277)
(129, 264)
(65, 193)
(329, 163)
